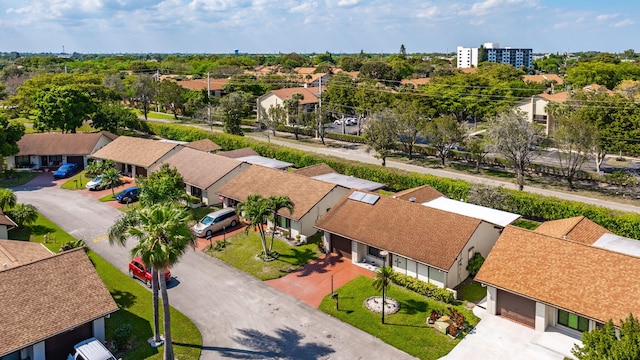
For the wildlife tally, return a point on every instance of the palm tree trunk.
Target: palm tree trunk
(263, 239)
(168, 346)
(156, 312)
(273, 233)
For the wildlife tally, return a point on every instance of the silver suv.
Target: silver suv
(215, 221)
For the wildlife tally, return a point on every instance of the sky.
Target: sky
(304, 26)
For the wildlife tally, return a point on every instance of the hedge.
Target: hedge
(530, 206)
(423, 288)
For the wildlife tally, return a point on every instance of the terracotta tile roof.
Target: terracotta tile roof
(421, 194)
(60, 144)
(430, 236)
(201, 84)
(542, 78)
(238, 153)
(558, 97)
(579, 278)
(5, 220)
(135, 151)
(315, 170)
(305, 192)
(15, 252)
(204, 145)
(309, 94)
(199, 168)
(50, 296)
(579, 229)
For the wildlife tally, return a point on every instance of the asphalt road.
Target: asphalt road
(239, 316)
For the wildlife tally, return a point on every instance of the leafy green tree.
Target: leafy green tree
(111, 180)
(443, 134)
(294, 115)
(74, 244)
(339, 96)
(477, 147)
(275, 204)
(514, 137)
(23, 214)
(10, 133)
(114, 116)
(172, 96)
(273, 117)
(256, 210)
(413, 117)
(604, 344)
(380, 71)
(350, 63)
(161, 186)
(163, 235)
(7, 199)
(233, 108)
(381, 134)
(246, 83)
(142, 91)
(62, 107)
(381, 282)
(98, 167)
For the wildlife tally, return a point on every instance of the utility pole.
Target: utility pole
(319, 127)
(209, 102)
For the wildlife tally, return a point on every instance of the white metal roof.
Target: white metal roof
(619, 244)
(349, 182)
(493, 216)
(265, 161)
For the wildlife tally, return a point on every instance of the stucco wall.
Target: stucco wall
(210, 196)
(309, 219)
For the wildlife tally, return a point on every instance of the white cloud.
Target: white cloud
(488, 6)
(625, 22)
(304, 7)
(348, 2)
(604, 17)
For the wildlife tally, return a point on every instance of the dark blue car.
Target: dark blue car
(65, 170)
(128, 195)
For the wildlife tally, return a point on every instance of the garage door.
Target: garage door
(61, 345)
(341, 246)
(517, 308)
(78, 160)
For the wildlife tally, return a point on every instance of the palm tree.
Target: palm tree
(381, 282)
(7, 199)
(111, 179)
(275, 203)
(256, 210)
(163, 234)
(23, 214)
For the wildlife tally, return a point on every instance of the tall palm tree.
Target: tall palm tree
(256, 210)
(111, 179)
(275, 204)
(163, 234)
(381, 282)
(7, 199)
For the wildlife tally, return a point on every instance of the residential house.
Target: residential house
(203, 173)
(214, 86)
(324, 172)
(51, 304)
(50, 150)
(420, 194)
(6, 224)
(312, 198)
(544, 281)
(205, 145)
(134, 156)
(535, 109)
(16, 252)
(273, 98)
(424, 242)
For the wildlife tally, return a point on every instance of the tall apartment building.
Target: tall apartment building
(516, 57)
(467, 57)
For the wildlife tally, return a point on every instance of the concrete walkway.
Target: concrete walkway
(314, 281)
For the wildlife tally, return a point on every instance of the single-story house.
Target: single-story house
(50, 150)
(311, 198)
(134, 156)
(16, 252)
(50, 305)
(203, 173)
(544, 281)
(535, 109)
(324, 172)
(6, 224)
(431, 244)
(238, 153)
(205, 145)
(420, 194)
(308, 103)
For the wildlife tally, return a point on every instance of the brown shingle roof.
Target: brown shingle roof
(48, 297)
(60, 144)
(558, 97)
(305, 192)
(201, 84)
(542, 78)
(5, 220)
(421, 194)
(579, 278)
(204, 145)
(199, 168)
(238, 153)
(309, 94)
(135, 151)
(15, 252)
(579, 229)
(315, 170)
(428, 235)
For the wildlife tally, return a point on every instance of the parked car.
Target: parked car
(91, 349)
(95, 184)
(215, 221)
(351, 121)
(128, 196)
(65, 170)
(338, 122)
(137, 270)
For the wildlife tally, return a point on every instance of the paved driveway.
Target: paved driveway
(239, 316)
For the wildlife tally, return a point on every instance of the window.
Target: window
(22, 161)
(374, 251)
(196, 192)
(573, 321)
(283, 222)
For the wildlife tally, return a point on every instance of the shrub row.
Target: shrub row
(423, 288)
(530, 206)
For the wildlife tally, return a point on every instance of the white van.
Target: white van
(215, 221)
(91, 349)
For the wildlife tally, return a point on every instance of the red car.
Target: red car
(137, 270)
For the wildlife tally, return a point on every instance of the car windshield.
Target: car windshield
(206, 220)
(97, 178)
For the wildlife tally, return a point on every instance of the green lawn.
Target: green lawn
(17, 178)
(470, 290)
(77, 181)
(406, 330)
(242, 249)
(42, 228)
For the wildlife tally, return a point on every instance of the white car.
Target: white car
(351, 121)
(95, 184)
(337, 122)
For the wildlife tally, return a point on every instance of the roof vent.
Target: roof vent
(412, 199)
(4, 266)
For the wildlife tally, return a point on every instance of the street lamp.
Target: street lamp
(384, 254)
